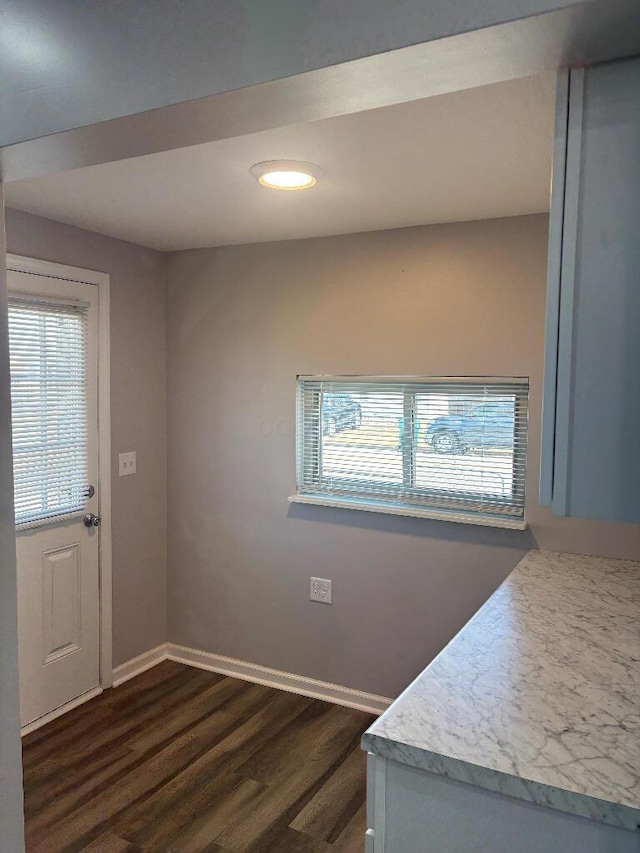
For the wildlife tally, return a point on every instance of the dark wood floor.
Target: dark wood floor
(179, 759)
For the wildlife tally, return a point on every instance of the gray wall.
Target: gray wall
(458, 299)
(138, 415)
(10, 753)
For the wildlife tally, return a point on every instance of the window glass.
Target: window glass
(456, 445)
(48, 351)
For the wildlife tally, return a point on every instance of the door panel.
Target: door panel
(58, 616)
(61, 592)
(55, 433)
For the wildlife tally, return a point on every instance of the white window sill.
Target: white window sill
(413, 512)
(49, 520)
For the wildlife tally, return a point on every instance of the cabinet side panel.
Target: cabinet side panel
(604, 451)
(431, 814)
(565, 361)
(553, 290)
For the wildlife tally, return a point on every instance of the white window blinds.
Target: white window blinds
(440, 445)
(48, 350)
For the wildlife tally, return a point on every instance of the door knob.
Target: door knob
(91, 520)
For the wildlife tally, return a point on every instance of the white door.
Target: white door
(53, 342)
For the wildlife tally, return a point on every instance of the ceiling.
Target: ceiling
(69, 63)
(475, 154)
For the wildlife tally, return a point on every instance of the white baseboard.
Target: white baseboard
(58, 712)
(139, 664)
(227, 666)
(281, 680)
(251, 672)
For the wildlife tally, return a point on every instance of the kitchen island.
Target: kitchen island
(523, 735)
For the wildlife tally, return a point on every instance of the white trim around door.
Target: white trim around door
(50, 269)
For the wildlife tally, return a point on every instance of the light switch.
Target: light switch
(127, 464)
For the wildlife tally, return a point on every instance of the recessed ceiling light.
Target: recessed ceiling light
(286, 174)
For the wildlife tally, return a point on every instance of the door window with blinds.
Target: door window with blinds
(48, 352)
(450, 448)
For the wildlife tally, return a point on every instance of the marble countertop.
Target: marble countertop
(538, 696)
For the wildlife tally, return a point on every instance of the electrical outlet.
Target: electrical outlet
(321, 590)
(127, 464)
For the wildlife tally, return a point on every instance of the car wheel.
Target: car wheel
(445, 441)
(331, 427)
(357, 420)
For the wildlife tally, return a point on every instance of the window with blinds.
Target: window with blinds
(48, 351)
(440, 447)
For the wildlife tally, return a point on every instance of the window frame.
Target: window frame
(407, 498)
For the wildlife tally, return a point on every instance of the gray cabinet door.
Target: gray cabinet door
(591, 418)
